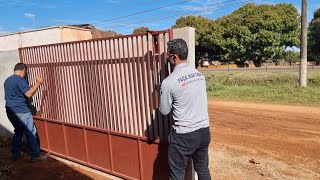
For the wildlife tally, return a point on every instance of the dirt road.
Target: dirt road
(249, 141)
(259, 141)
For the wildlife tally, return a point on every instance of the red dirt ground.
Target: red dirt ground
(261, 141)
(249, 141)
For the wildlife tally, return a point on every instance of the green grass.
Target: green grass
(280, 87)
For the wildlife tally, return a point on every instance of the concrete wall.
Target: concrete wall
(75, 34)
(43, 36)
(10, 42)
(7, 61)
(187, 34)
(46, 36)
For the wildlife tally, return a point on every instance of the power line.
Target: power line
(161, 7)
(176, 13)
(181, 14)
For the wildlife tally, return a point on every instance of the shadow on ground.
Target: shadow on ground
(25, 169)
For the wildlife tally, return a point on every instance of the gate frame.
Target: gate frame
(140, 169)
(142, 143)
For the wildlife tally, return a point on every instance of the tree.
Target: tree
(140, 30)
(206, 36)
(291, 56)
(313, 37)
(253, 32)
(259, 32)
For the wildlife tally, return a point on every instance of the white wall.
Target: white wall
(43, 36)
(10, 42)
(187, 34)
(47, 36)
(8, 60)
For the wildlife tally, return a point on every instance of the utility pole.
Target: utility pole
(303, 48)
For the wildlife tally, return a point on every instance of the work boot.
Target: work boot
(40, 158)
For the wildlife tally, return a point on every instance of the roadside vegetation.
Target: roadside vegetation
(280, 87)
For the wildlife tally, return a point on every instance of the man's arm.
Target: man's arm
(165, 98)
(34, 88)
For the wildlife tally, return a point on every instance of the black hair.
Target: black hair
(179, 47)
(20, 66)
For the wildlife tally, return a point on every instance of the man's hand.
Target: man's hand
(34, 88)
(39, 80)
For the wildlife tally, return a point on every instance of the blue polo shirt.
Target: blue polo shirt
(15, 87)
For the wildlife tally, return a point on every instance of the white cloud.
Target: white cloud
(112, 1)
(294, 48)
(29, 15)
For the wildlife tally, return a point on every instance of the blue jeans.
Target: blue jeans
(23, 124)
(182, 147)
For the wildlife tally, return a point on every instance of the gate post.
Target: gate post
(188, 34)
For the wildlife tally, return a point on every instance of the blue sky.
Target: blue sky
(20, 15)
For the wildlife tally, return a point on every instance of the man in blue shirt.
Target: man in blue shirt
(17, 92)
(184, 93)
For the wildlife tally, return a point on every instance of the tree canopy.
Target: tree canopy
(252, 32)
(140, 30)
(314, 37)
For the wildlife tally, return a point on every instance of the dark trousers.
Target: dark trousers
(182, 147)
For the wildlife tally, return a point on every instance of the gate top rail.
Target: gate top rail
(105, 38)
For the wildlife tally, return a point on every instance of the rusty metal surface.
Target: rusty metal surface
(56, 138)
(154, 161)
(102, 157)
(42, 132)
(133, 157)
(75, 138)
(125, 153)
(99, 103)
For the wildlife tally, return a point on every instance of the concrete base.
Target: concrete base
(96, 174)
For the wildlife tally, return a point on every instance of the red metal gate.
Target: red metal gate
(98, 105)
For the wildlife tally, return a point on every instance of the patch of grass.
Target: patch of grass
(272, 87)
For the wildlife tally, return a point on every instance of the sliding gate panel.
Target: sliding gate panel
(99, 103)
